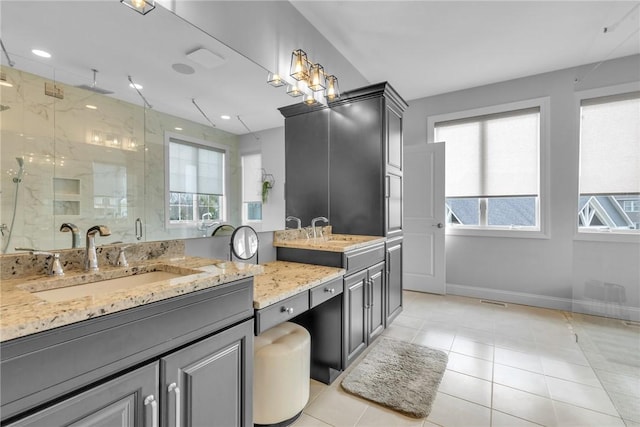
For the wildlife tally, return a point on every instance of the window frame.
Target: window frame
(584, 234)
(543, 104)
(167, 178)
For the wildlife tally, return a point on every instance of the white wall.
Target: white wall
(544, 272)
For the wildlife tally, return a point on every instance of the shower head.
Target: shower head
(94, 85)
(18, 178)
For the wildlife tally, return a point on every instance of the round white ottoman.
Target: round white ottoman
(281, 374)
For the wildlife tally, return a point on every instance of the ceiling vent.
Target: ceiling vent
(206, 58)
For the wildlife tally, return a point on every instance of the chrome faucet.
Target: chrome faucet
(294, 218)
(55, 268)
(75, 236)
(313, 225)
(91, 257)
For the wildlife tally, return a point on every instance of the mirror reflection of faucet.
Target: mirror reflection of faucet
(75, 236)
(313, 225)
(206, 223)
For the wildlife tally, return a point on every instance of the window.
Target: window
(196, 182)
(492, 168)
(252, 187)
(610, 164)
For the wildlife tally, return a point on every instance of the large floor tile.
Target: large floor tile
(517, 359)
(466, 346)
(569, 415)
(337, 408)
(520, 379)
(569, 371)
(308, 421)
(523, 405)
(435, 338)
(449, 411)
(585, 396)
(401, 333)
(500, 419)
(627, 406)
(466, 387)
(468, 365)
(377, 416)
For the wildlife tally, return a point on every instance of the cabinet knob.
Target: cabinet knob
(330, 290)
(287, 310)
(439, 225)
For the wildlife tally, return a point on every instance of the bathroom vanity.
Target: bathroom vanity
(150, 355)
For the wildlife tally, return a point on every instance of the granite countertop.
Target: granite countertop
(283, 279)
(329, 242)
(23, 313)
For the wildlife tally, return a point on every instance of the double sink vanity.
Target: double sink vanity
(168, 340)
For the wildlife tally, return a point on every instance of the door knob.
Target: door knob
(439, 225)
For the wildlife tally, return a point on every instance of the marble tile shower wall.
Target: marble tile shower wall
(89, 166)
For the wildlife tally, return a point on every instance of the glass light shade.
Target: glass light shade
(294, 91)
(310, 99)
(275, 80)
(316, 78)
(141, 6)
(299, 68)
(332, 92)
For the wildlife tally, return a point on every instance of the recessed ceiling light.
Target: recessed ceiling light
(225, 117)
(91, 107)
(135, 86)
(41, 53)
(178, 128)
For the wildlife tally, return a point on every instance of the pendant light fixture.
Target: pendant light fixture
(294, 90)
(299, 69)
(316, 78)
(140, 6)
(332, 92)
(275, 80)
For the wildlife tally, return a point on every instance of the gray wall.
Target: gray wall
(546, 272)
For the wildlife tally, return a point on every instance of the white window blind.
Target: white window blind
(496, 155)
(610, 145)
(252, 177)
(195, 169)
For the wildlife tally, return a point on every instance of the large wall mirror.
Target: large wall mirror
(84, 147)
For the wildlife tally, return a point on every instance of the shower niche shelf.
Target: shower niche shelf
(66, 195)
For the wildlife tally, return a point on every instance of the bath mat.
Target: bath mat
(399, 375)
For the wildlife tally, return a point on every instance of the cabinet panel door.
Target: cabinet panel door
(119, 402)
(213, 379)
(394, 139)
(355, 314)
(307, 166)
(357, 168)
(394, 280)
(393, 202)
(376, 301)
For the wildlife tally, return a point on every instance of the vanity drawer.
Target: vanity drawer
(281, 311)
(326, 291)
(359, 259)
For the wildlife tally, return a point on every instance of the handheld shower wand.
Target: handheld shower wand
(18, 178)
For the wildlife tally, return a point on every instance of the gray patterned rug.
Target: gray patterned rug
(399, 375)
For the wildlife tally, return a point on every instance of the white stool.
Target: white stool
(281, 374)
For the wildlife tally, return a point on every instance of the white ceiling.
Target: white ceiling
(425, 48)
(421, 47)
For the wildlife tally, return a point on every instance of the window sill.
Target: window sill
(497, 232)
(607, 236)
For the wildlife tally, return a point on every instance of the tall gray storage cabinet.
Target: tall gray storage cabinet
(345, 162)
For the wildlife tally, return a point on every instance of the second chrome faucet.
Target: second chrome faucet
(91, 256)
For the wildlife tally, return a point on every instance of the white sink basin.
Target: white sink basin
(104, 286)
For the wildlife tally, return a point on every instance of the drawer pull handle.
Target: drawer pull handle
(287, 310)
(150, 400)
(330, 290)
(174, 387)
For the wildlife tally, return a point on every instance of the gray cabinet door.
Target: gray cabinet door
(127, 401)
(376, 301)
(394, 280)
(355, 315)
(209, 383)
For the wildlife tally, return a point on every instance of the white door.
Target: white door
(424, 218)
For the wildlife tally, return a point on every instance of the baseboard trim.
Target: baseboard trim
(545, 301)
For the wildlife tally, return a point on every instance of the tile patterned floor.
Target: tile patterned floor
(508, 366)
